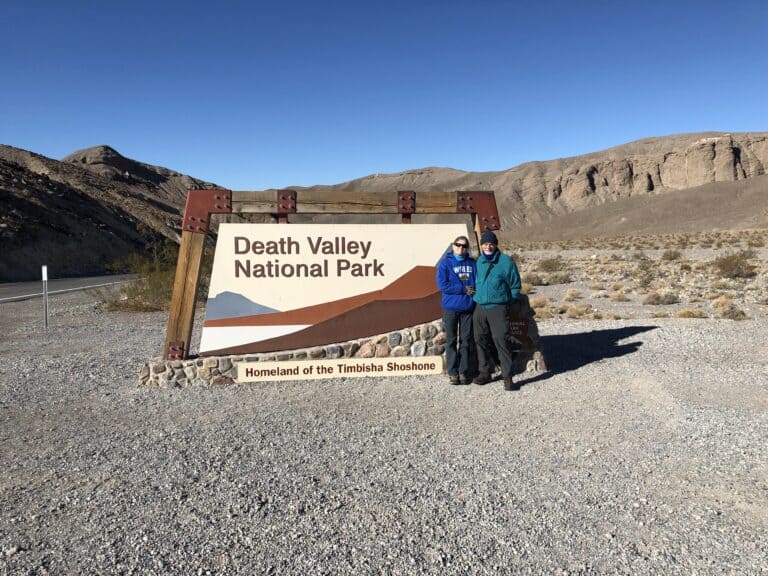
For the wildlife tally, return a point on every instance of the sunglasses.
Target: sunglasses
(458, 245)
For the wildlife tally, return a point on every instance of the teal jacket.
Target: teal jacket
(499, 284)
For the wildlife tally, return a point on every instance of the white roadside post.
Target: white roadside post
(45, 295)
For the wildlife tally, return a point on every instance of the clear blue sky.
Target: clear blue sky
(253, 95)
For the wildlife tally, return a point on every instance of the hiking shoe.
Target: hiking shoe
(453, 380)
(463, 379)
(482, 379)
(509, 384)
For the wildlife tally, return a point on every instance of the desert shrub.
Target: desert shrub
(576, 311)
(722, 301)
(543, 312)
(736, 265)
(155, 272)
(691, 313)
(685, 267)
(526, 288)
(671, 255)
(616, 286)
(618, 297)
(596, 286)
(644, 273)
(720, 284)
(550, 265)
(656, 299)
(732, 312)
(559, 278)
(538, 301)
(660, 314)
(534, 279)
(572, 295)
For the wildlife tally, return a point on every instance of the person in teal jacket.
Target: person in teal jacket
(497, 287)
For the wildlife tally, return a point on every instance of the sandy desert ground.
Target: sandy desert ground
(644, 449)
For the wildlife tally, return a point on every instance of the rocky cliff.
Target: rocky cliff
(535, 191)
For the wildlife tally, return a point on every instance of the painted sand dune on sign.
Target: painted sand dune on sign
(417, 283)
(369, 319)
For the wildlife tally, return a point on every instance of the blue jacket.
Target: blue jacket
(499, 284)
(453, 276)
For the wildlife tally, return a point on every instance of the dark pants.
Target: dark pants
(492, 329)
(457, 325)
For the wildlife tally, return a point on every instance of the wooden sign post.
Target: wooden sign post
(480, 205)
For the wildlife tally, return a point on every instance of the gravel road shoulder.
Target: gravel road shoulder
(643, 451)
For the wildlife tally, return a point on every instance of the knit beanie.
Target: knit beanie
(489, 236)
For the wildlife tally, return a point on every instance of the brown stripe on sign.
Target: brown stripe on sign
(418, 282)
(368, 320)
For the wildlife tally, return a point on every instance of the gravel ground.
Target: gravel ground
(643, 451)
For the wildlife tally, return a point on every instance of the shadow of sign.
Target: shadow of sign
(569, 352)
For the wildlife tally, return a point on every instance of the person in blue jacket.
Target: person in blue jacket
(497, 288)
(456, 280)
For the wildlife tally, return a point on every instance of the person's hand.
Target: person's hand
(469, 290)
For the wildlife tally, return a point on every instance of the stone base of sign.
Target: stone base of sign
(423, 340)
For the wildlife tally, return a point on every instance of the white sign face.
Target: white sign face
(341, 368)
(286, 286)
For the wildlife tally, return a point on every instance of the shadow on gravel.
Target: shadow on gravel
(568, 352)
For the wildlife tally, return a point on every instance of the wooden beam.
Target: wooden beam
(334, 202)
(182, 309)
(256, 201)
(478, 230)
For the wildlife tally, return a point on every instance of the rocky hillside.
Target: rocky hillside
(81, 213)
(536, 191)
(162, 184)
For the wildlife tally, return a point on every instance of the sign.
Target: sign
(287, 286)
(518, 328)
(342, 368)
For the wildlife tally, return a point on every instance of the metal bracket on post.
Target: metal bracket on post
(481, 203)
(176, 350)
(406, 204)
(286, 204)
(200, 204)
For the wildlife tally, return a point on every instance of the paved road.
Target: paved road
(13, 291)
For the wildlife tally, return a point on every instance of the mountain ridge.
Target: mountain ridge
(94, 206)
(537, 190)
